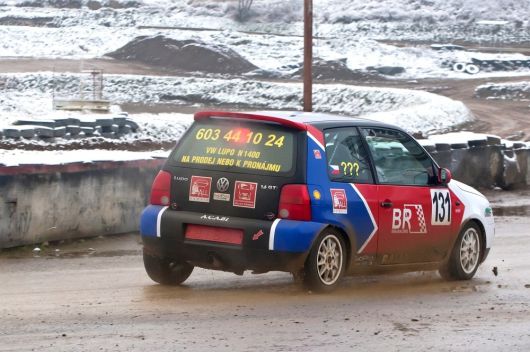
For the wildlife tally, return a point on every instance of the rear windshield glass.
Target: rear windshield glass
(237, 146)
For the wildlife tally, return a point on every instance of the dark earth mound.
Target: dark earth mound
(184, 55)
(336, 70)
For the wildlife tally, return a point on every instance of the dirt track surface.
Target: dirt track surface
(82, 299)
(504, 118)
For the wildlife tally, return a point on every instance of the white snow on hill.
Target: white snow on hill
(30, 94)
(270, 39)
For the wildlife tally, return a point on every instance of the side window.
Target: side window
(347, 158)
(398, 159)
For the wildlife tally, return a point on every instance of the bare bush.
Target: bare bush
(243, 9)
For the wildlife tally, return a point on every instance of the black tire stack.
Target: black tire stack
(484, 163)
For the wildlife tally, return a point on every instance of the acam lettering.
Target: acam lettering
(215, 218)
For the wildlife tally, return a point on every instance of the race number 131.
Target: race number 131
(441, 207)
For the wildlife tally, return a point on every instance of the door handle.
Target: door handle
(386, 204)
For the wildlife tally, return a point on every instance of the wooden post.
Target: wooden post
(308, 55)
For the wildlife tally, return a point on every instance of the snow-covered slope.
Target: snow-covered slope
(415, 111)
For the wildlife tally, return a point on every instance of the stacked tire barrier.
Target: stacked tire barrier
(476, 65)
(484, 163)
(41, 203)
(70, 128)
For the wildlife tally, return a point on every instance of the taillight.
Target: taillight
(295, 203)
(160, 192)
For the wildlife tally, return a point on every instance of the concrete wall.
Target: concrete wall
(44, 203)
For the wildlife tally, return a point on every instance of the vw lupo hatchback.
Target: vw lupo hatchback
(316, 195)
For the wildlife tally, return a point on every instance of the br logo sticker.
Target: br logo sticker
(410, 219)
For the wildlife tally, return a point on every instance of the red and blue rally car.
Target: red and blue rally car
(314, 194)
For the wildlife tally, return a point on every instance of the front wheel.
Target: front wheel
(465, 256)
(166, 271)
(326, 262)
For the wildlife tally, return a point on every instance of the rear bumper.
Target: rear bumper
(266, 245)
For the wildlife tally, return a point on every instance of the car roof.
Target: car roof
(297, 119)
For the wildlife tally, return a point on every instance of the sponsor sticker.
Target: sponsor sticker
(221, 196)
(200, 189)
(339, 201)
(245, 194)
(317, 154)
(410, 219)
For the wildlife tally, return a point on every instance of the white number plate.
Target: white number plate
(441, 207)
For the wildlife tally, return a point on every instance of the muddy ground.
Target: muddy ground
(94, 295)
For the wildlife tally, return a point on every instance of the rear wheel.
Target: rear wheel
(166, 271)
(465, 256)
(326, 262)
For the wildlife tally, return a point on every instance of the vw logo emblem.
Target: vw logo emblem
(222, 184)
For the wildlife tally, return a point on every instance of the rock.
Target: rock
(94, 5)
(65, 4)
(336, 70)
(114, 4)
(387, 70)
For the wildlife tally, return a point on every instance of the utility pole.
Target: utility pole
(308, 55)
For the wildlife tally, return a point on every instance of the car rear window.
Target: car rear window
(237, 146)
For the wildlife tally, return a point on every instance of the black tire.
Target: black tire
(477, 143)
(166, 271)
(465, 256)
(326, 262)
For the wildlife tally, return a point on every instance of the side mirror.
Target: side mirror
(444, 176)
